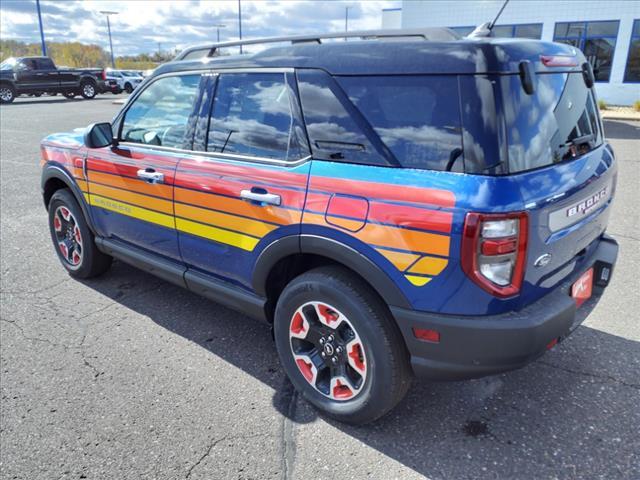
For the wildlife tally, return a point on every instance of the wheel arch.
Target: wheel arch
(55, 178)
(291, 256)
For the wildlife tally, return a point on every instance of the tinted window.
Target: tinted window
(332, 129)
(416, 117)
(632, 71)
(596, 39)
(528, 31)
(44, 64)
(558, 123)
(160, 114)
(252, 115)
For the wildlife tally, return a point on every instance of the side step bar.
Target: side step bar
(212, 288)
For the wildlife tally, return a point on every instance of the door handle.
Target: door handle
(262, 196)
(149, 175)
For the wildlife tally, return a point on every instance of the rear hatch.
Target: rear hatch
(564, 169)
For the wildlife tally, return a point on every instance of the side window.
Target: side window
(252, 115)
(332, 130)
(160, 114)
(44, 64)
(417, 117)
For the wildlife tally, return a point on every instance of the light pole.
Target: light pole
(44, 45)
(240, 23)
(107, 13)
(346, 20)
(218, 26)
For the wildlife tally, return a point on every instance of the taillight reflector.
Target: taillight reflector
(559, 61)
(427, 335)
(494, 249)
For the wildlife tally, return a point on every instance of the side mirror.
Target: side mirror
(98, 135)
(588, 75)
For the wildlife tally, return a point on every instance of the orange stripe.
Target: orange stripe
(163, 206)
(429, 266)
(238, 207)
(399, 259)
(83, 185)
(164, 191)
(244, 225)
(403, 239)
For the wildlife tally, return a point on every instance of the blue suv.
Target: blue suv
(402, 204)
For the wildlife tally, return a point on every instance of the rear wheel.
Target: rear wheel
(72, 238)
(340, 347)
(128, 88)
(7, 93)
(88, 90)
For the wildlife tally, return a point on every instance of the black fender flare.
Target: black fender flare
(337, 251)
(9, 82)
(50, 172)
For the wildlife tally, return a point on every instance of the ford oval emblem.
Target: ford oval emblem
(543, 260)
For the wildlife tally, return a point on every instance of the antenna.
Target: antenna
(492, 24)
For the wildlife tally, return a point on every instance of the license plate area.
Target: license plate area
(582, 289)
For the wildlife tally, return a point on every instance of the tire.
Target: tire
(72, 239)
(7, 93)
(365, 371)
(128, 88)
(37, 95)
(70, 94)
(88, 90)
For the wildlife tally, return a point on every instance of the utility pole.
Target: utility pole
(44, 45)
(107, 13)
(346, 20)
(218, 26)
(240, 22)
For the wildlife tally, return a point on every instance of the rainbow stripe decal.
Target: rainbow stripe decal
(409, 226)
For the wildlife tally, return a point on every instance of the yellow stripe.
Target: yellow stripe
(429, 266)
(418, 281)
(164, 206)
(224, 220)
(399, 259)
(132, 211)
(217, 234)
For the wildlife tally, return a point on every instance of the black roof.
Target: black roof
(380, 57)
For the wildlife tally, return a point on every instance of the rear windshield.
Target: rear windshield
(557, 123)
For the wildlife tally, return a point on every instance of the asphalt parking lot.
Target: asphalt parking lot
(127, 376)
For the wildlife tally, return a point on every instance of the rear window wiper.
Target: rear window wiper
(580, 140)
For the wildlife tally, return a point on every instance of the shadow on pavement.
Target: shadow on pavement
(568, 415)
(60, 99)
(621, 130)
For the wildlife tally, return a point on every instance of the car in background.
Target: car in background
(127, 80)
(38, 75)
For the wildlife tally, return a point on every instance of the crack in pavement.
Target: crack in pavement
(591, 375)
(35, 339)
(288, 444)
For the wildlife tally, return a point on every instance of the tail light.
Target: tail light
(559, 60)
(104, 74)
(494, 249)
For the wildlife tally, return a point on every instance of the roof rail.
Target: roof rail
(434, 34)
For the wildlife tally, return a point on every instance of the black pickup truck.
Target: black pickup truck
(38, 75)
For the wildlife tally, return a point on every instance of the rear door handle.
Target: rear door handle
(149, 175)
(268, 198)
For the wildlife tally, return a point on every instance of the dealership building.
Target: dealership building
(607, 31)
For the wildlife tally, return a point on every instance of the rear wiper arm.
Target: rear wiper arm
(580, 140)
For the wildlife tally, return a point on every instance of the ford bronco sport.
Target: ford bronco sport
(428, 206)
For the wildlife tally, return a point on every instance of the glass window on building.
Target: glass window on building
(528, 30)
(597, 40)
(632, 71)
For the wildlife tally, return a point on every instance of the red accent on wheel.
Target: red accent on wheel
(57, 224)
(356, 355)
(297, 324)
(77, 235)
(64, 250)
(328, 314)
(65, 213)
(341, 391)
(306, 369)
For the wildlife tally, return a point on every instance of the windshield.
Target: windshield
(8, 64)
(557, 123)
(130, 74)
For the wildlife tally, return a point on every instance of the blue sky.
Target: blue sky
(142, 24)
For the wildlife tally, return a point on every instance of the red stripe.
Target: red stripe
(432, 196)
(131, 171)
(356, 208)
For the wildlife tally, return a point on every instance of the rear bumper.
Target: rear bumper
(472, 347)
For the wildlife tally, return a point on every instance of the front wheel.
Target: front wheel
(7, 94)
(340, 347)
(88, 90)
(72, 238)
(128, 88)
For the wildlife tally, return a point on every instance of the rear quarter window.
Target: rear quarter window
(416, 117)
